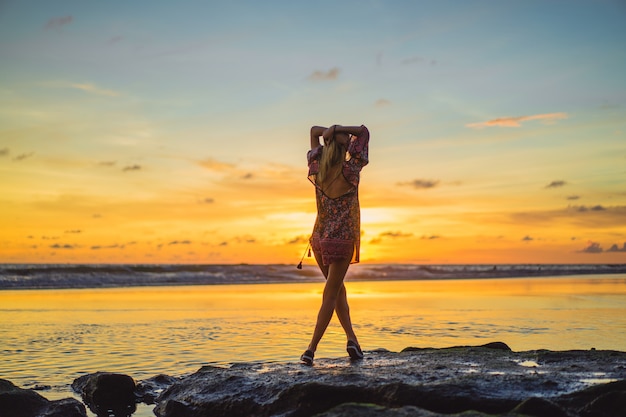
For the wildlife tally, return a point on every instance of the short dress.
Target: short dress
(337, 231)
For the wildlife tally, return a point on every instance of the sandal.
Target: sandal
(354, 350)
(307, 358)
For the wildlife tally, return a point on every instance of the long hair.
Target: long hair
(334, 153)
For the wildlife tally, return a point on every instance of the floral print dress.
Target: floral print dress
(337, 230)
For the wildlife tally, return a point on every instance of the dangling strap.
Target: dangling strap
(308, 248)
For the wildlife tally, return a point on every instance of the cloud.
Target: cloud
(382, 102)
(572, 197)
(527, 238)
(431, 237)
(389, 235)
(180, 242)
(299, 240)
(395, 234)
(58, 22)
(23, 156)
(131, 168)
(215, 165)
(90, 88)
(115, 39)
(593, 247)
(556, 184)
(73, 231)
(615, 248)
(329, 75)
(107, 163)
(59, 246)
(517, 121)
(583, 209)
(97, 247)
(208, 200)
(4, 152)
(421, 184)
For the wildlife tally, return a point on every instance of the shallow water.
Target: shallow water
(50, 337)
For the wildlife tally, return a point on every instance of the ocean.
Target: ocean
(58, 322)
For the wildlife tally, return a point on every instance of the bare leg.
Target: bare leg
(334, 298)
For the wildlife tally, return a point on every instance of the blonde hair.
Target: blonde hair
(334, 153)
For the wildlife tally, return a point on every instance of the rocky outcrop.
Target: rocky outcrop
(488, 380)
(19, 402)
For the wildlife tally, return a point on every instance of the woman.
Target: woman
(334, 169)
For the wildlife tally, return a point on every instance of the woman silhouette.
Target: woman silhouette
(334, 169)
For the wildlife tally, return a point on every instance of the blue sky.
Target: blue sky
(188, 122)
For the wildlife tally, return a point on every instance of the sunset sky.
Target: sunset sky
(177, 131)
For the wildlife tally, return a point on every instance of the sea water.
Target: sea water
(50, 337)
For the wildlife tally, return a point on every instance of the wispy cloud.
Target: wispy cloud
(131, 168)
(421, 184)
(572, 197)
(298, 240)
(4, 152)
(382, 102)
(23, 156)
(92, 89)
(58, 22)
(517, 121)
(556, 184)
(61, 246)
(527, 239)
(583, 209)
(390, 235)
(330, 75)
(215, 165)
(418, 60)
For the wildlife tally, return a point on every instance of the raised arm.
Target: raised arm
(351, 130)
(316, 132)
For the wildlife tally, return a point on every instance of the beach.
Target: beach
(50, 337)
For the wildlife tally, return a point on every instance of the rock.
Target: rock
(472, 381)
(19, 402)
(539, 407)
(148, 390)
(373, 410)
(105, 392)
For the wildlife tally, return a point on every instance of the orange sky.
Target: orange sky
(156, 133)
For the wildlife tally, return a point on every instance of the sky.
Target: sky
(176, 132)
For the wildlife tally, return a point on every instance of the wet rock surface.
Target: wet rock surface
(19, 402)
(480, 380)
(488, 380)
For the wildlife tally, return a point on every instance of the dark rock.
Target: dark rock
(540, 407)
(19, 402)
(611, 404)
(107, 393)
(583, 399)
(476, 381)
(148, 390)
(373, 410)
(492, 345)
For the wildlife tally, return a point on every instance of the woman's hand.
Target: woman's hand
(329, 133)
